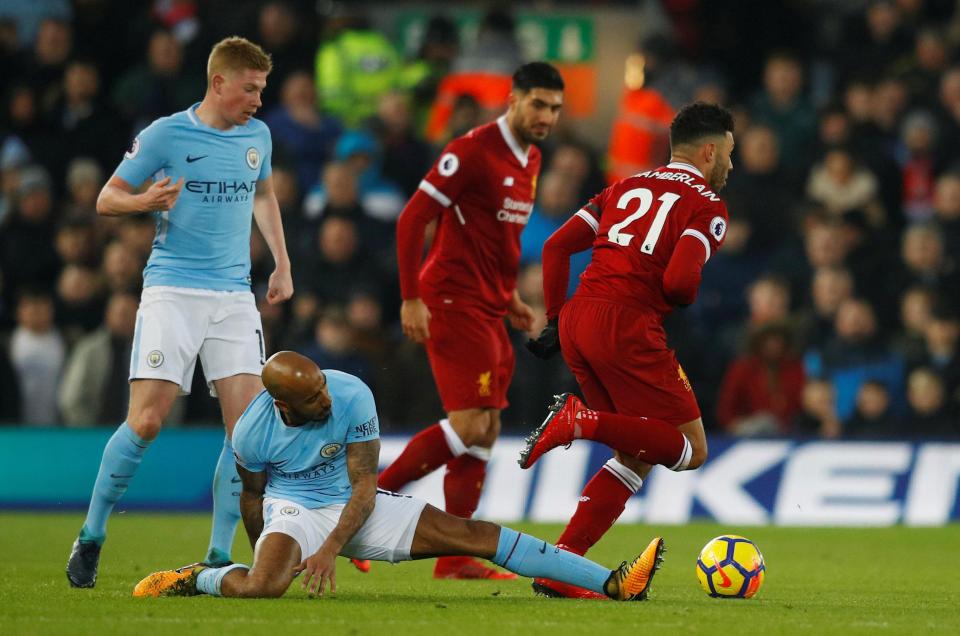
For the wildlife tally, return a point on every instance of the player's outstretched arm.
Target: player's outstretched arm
(118, 198)
(266, 212)
(251, 502)
(363, 459)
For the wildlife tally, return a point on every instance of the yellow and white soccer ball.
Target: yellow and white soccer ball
(730, 566)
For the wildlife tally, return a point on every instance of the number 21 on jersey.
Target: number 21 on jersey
(667, 200)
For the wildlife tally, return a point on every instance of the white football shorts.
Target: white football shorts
(175, 325)
(387, 534)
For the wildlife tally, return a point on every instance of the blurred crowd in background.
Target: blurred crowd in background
(832, 309)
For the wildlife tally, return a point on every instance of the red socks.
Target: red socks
(463, 484)
(648, 439)
(426, 451)
(601, 503)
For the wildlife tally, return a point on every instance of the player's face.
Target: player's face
(723, 163)
(314, 405)
(534, 113)
(239, 94)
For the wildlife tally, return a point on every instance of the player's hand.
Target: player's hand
(520, 314)
(415, 320)
(161, 195)
(280, 286)
(318, 569)
(547, 343)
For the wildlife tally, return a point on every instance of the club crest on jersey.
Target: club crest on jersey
(483, 383)
(330, 450)
(718, 227)
(253, 158)
(448, 164)
(155, 358)
(134, 149)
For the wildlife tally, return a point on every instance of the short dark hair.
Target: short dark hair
(698, 120)
(537, 75)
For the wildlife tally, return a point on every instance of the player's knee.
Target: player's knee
(273, 590)
(476, 433)
(698, 458)
(261, 587)
(482, 532)
(146, 423)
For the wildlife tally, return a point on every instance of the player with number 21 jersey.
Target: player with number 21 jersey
(651, 235)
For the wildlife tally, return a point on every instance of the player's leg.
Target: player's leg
(235, 393)
(465, 474)
(436, 445)
(166, 339)
(270, 576)
(464, 356)
(290, 530)
(478, 429)
(463, 485)
(276, 556)
(604, 497)
(641, 376)
(150, 401)
(439, 533)
(232, 355)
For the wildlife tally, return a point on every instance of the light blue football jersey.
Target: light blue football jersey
(203, 242)
(307, 464)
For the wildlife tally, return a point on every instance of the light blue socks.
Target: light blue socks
(531, 557)
(209, 580)
(121, 459)
(226, 506)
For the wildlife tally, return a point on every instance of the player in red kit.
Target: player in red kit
(651, 235)
(481, 192)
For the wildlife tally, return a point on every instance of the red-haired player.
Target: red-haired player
(651, 235)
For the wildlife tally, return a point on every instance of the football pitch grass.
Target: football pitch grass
(823, 581)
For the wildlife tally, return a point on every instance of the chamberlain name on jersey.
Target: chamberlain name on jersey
(203, 242)
(487, 185)
(307, 464)
(638, 221)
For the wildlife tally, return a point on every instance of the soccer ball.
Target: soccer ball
(730, 566)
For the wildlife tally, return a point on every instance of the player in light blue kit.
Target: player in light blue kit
(208, 170)
(308, 449)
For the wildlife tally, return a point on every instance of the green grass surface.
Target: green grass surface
(824, 581)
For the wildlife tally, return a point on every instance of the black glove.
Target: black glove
(547, 344)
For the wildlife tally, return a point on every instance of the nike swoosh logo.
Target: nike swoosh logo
(725, 578)
(543, 548)
(192, 159)
(112, 476)
(234, 480)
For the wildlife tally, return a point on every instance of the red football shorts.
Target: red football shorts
(620, 358)
(472, 360)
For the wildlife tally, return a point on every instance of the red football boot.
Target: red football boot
(559, 429)
(467, 568)
(558, 589)
(361, 564)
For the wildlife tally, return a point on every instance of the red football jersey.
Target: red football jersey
(483, 187)
(638, 221)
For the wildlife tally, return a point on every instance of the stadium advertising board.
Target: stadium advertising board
(745, 482)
